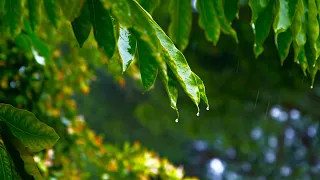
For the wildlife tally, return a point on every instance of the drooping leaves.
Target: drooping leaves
(13, 16)
(127, 47)
(148, 65)
(208, 20)
(181, 20)
(102, 26)
(231, 9)
(52, 9)
(34, 13)
(82, 26)
(34, 134)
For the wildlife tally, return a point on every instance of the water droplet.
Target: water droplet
(177, 120)
(207, 108)
(198, 114)
(314, 65)
(311, 86)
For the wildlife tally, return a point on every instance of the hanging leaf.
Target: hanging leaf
(52, 10)
(71, 8)
(82, 26)
(102, 26)
(313, 29)
(149, 5)
(208, 20)
(283, 42)
(261, 22)
(33, 133)
(202, 90)
(231, 9)
(181, 20)
(5, 165)
(127, 47)
(34, 13)
(148, 66)
(13, 16)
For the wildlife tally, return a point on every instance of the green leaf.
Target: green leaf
(261, 22)
(71, 8)
(5, 164)
(52, 10)
(181, 21)
(34, 13)
(208, 20)
(29, 165)
(285, 10)
(225, 25)
(127, 44)
(13, 16)
(202, 90)
(149, 5)
(148, 65)
(33, 133)
(82, 26)
(313, 29)
(231, 9)
(102, 26)
(283, 42)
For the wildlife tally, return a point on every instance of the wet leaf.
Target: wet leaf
(33, 133)
(148, 65)
(231, 9)
(283, 42)
(82, 26)
(127, 47)
(181, 20)
(313, 29)
(13, 16)
(34, 13)
(52, 10)
(102, 26)
(261, 22)
(208, 20)
(202, 90)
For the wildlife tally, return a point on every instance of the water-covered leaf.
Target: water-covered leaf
(208, 20)
(127, 47)
(34, 134)
(102, 26)
(13, 16)
(82, 26)
(181, 20)
(34, 13)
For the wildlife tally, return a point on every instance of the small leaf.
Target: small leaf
(5, 164)
(102, 26)
(225, 25)
(208, 20)
(231, 9)
(13, 16)
(82, 26)
(283, 42)
(52, 10)
(261, 22)
(71, 8)
(127, 47)
(148, 65)
(34, 13)
(33, 133)
(181, 20)
(149, 5)
(202, 90)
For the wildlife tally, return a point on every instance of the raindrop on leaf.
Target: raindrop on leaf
(198, 114)
(177, 120)
(311, 86)
(207, 108)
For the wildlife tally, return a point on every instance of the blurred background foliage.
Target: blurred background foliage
(262, 122)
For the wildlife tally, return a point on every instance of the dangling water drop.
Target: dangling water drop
(177, 120)
(198, 114)
(314, 65)
(207, 108)
(311, 86)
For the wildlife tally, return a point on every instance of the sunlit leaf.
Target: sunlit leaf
(82, 26)
(181, 20)
(34, 13)
(13, 16)
(208, 20)
(34, 134)
(127, 47)
(102, 26)
(52, 10)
